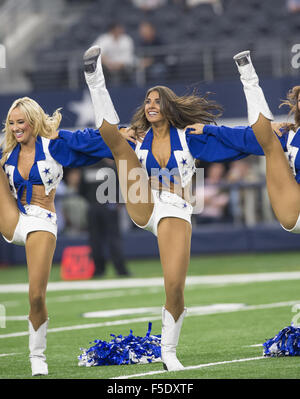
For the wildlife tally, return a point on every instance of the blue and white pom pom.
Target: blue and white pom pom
(123, 350)
(285, 343)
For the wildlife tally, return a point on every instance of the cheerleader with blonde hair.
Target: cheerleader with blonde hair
(44, 125)
(32, 167)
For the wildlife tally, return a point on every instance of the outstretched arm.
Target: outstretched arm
(240, 138)
(79, 148)
(87, 141)
(278, 127)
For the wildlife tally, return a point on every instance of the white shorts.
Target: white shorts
(35, 219)
(295, 229)
(167, 205)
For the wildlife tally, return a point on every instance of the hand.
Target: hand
(128, 134)
(276, 126)
(140, 136)
(131, 135)
(197, 128)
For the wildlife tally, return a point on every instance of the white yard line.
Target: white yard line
(101, 295)
(192, 311)
(16, 318)
(8, 354)
(215, 308)
(85, 326)
(155, 282)
(199, 366)
(92, 296)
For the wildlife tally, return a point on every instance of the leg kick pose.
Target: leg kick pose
(283, 189)
(173, 233)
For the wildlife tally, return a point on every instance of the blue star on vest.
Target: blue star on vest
(8, 175)
(185, 205)
(290, 157)
(141, 159)
(46, 171)
(49, 215)
(50, 181)
(183, 162)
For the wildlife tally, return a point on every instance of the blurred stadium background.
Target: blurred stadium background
(196, 39)
(235, 234)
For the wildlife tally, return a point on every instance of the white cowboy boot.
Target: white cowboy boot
(256, 102)
(103, 106)
(37, 346)
(169, 340)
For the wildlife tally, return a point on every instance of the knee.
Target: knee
(289, 217)
(291, 224)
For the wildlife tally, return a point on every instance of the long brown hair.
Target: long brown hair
(292, 102)
(43, 124)
(180, 111)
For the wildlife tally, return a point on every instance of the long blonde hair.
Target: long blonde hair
(180, 111)
(292, 102)
(42, 124)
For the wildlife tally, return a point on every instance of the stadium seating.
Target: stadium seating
(212, 39)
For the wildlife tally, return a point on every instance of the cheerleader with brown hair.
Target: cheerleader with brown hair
(279, 142)
(165, 159)
(283, 188)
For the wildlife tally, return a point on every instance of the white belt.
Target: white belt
(37, 211)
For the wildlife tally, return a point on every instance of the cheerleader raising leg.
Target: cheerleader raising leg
(172, 232)
(107, 119)
(283, 190)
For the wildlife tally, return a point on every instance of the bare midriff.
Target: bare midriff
(171, 187)
(39, 198)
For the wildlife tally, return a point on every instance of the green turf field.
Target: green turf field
(227, 318)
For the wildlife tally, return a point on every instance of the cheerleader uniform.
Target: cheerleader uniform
(243, 139)
(47, 170)
(185, 149)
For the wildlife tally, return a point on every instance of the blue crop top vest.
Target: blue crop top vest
(47, 169)
(152, 165)
(34, 176)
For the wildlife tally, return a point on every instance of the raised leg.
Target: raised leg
(139, 203)
(174, 241)
(9, 213)
(283, 190)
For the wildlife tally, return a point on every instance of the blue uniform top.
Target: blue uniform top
(242, 138)
(206, 147)
(46, 170)
(86, 147)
